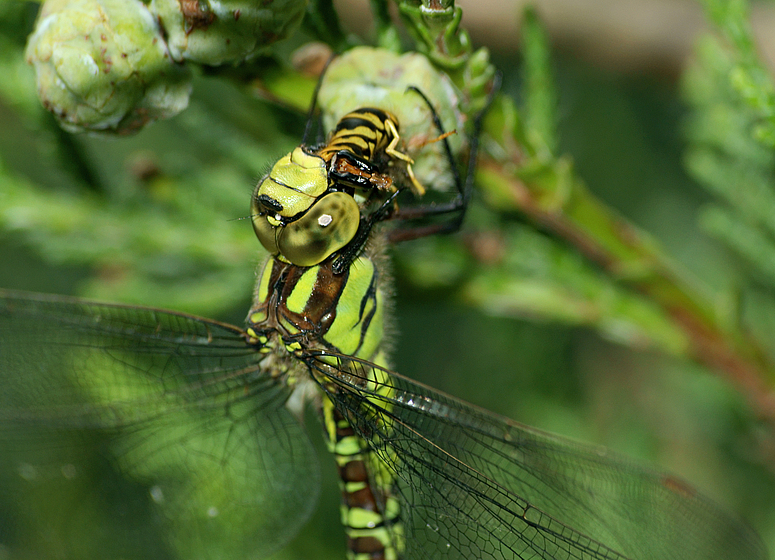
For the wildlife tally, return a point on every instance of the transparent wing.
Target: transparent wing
(175, 406)
(475, 485)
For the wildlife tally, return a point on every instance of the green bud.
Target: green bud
(102, 65)
(373, 77)
(225, 31)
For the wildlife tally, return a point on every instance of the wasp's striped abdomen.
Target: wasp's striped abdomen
(364, 132)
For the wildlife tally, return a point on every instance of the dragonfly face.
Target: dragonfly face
(295, 214)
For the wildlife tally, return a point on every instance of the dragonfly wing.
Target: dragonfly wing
(176, 408)
(473, 485)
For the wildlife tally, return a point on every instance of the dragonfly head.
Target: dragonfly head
(296, 216)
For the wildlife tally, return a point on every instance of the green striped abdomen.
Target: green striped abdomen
(370, 511)
(308, 309)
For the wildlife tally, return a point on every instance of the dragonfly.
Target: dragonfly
(201, 416)
(204, 423)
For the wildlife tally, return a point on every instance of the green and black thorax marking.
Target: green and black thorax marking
(316, 309)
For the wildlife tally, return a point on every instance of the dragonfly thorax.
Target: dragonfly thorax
(312, 309)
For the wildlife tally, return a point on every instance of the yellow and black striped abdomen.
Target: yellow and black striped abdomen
(365, 132)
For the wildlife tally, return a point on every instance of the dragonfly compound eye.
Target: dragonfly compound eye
(329, 225)
(265, 231)
(296, 182)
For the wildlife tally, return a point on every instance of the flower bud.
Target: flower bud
(225, 31)
(102, 65)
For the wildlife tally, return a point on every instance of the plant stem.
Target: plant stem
(552, 197)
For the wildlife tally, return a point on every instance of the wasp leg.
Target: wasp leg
(465, 190)
(391, 150)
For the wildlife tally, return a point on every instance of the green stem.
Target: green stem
(324, 23)
(435, 27)
(387, 34)
(552, 196)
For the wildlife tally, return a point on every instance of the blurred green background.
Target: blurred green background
(155, 219)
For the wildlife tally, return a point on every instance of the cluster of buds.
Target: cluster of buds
(115, 65)
(215, 32)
